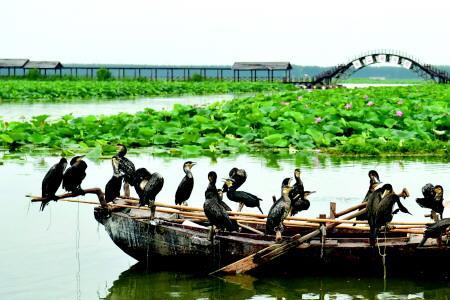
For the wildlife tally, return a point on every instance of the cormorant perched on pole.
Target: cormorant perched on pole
(433, 197)
(214, 210)
(279, 211)
(239, 176)
(74, 175)
(126, 167)
(186, 185)
(243, 198)
(51, 182)
(147, 186)
(298, 195)
(380, 208)
(112, 188)
(374, 181)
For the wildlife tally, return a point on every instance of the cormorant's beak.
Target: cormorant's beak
(193, 164)
(378, 185)
(307, 193)
(229, 182)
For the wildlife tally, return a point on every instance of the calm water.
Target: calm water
(63, 253)
(19, 111)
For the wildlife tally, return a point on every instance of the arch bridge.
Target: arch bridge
(342, 71)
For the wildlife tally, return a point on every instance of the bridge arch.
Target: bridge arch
(341, 71)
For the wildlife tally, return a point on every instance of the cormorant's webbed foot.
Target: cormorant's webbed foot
(211, 233)
(126, 189)
(152, 211)
(387, 227)
(422, 243)
(278, 236)
(79, 191)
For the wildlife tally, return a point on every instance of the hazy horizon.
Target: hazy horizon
(201, 32)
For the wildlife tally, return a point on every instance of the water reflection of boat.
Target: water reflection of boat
(138, 283)
(169, 244)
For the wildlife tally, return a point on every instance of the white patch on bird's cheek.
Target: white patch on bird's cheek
(143, 184)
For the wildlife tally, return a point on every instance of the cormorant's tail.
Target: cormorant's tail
(44, 203)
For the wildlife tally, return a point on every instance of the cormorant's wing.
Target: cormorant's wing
(153, 186)
(184, 189)
(274, 216)
(401, 208)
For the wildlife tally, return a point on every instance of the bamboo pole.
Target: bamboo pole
(263, 216)
(181, 208)
(350, 209)
(202, 217)
(97, 191)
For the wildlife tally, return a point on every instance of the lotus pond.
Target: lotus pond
(44, 91)
(373, 121)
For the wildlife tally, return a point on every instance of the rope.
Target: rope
(148, 249)
(322, 239)
(77, 253)
(50, 219)
(383, 255)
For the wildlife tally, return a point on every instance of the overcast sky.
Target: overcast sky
(221, 32)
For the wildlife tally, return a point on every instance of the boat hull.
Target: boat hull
(164, 245)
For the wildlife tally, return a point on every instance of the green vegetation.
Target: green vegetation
(33, 74)
(373, 121)
(103, 74)
(66, 90)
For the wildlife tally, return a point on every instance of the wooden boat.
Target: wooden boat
(172, 241)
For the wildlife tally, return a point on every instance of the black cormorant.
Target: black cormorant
(298, 195)
(435, 230)
(374, 181)
(215, 211)
(112, 188)
(147, 186)
(186, 185)
(52, 181)
(279, 211)
(243, 198)
(126, 167)
(433, 197)
(380, 208)
(239, 176)
(372, 203)
(74, 175)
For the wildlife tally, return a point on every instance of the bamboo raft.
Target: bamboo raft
(178, 238)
